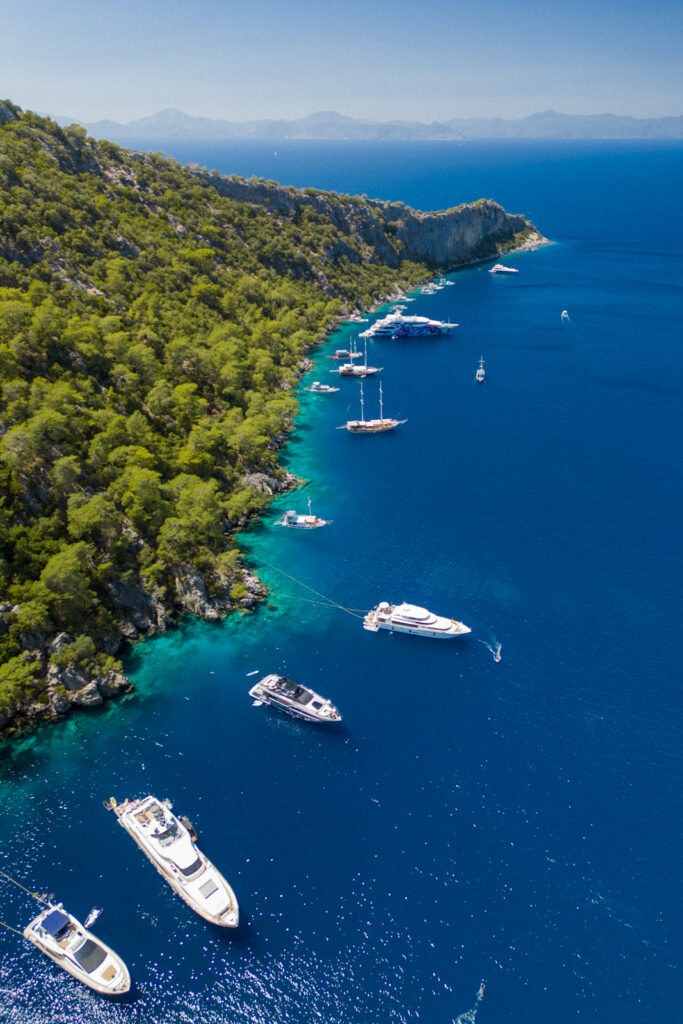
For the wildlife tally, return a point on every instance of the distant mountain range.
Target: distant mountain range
(173, 124)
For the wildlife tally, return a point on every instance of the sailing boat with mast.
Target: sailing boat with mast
(363, 426)
(361, 370)
(481, 372)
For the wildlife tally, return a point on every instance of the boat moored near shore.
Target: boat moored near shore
(65, 940)
(167, 842)
(410, 618)
(500, 268)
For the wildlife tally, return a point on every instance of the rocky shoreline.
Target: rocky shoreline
(145, 611)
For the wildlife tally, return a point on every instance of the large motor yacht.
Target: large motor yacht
(285, 694)
(76, 950)
(410, 618)
(168, 843)
(395, 325)
(500, 268)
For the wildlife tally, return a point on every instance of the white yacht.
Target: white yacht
(320, 389)
(358, 370)
(302, 522)
(409, 618)
(66, 941)
(499, 268)
(363, 426)
(170, 846)
(285, 694)
(481, 372)
(395, 325)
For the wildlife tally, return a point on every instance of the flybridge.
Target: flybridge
(395, 325)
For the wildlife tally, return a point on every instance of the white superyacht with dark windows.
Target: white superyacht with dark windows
(170, 846)
(410, 618)
(285, 694)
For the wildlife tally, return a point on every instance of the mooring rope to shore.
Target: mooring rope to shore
(328, 600)
(9, 926)
(35, 895)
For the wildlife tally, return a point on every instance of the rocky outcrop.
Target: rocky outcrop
(7, 114)
(392, 232)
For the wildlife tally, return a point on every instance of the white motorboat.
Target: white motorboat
(499, 268)
(358, 370)
(565, 315)
(443, 282)
(65, 940)
(377, 426)
(396, 325)
(410, 618)
(169, 843)
(294, 699)
(481, 372)
(320, 389)
(302, 522)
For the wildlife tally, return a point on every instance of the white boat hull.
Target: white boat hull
(112, 966)
(228, 916)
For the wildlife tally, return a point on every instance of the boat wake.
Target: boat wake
(470, 1016)
(494, 647)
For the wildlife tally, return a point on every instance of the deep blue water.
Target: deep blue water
(516, 821)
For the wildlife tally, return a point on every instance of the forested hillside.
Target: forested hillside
(151, 330)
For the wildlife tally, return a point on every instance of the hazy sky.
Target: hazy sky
(419, 60)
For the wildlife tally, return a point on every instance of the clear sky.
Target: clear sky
(419, 60)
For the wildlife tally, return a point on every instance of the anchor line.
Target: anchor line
(329, 600)
(35, 895)
(9, 926)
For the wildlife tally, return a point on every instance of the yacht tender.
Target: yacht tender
(167, 842)
(285, 694)
(76, 950)
(410, 618)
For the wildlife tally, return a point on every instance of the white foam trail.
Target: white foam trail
(494, 647)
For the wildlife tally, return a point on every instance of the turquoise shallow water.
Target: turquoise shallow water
(513, 821)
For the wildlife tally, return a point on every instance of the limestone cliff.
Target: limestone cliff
(393, 232)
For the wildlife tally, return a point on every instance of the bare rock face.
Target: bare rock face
(88, 696)
(6, 114)
(255, 590)
(192, 596)
(111, 684)
(59, 702)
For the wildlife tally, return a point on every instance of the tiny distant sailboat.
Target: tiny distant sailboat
(565, 316)
(481, 372)
(377, 426)
(302, 522)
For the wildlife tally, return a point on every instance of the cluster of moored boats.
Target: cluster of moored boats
(170, 842)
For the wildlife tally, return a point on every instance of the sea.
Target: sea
(493, 833)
